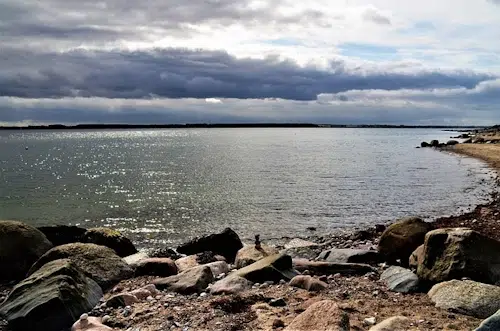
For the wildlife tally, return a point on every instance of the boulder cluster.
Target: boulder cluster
(62, 273)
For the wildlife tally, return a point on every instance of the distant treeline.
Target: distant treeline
(219, 125)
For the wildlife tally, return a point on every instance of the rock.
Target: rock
(63, 234)
(308, 283)
(434, 143)
(468, 141)
(416, 257)
(110, 238)
(90, 324)
(271, 268)
(455, 253)
(395, 323)
(97, 262)
(134, 259)
(155, 266)
(466, 297)
(492, 323)
(164, 252)
(249, 254)
(369, 321)
(400, 239)
(330, 268)
(424, 144)
(279, 302)
(348, 255)
(400, 280)
(122, 300)
(231, 285)
(218, 268)
(20, 246)
(323, 315)
(194, 280)
(452, 142)
(187, 262)
(227, 243)
(50, 298)
(305, 252)
(478, 140)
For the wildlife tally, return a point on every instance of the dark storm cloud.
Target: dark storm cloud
(111, 20)
(178, 73)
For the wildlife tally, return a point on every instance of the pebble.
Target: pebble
(369, 321)
(282, 282)
(279, 302)
(306, 272)
(203, 294)
(105, 319)
(265, 285)
(150, 298)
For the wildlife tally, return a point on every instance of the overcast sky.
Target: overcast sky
(323, 61)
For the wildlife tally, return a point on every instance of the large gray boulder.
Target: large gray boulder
(20, 246)
(110, 238)
(349, 255)
(272, 268)
(400, 280)
(97, 262)
(194, 280)
(466, 297)
(455, 253)
(400, 239)
(227, 243)
(51, 299)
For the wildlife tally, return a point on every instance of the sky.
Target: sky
(421, 62)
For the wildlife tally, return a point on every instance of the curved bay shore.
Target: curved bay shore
(327, 297)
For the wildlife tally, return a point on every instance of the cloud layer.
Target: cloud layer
(246, 60)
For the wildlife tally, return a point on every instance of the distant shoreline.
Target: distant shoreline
(224, 125)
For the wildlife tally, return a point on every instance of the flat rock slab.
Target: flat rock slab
(308, 283)
(323, 315)
(330, 268)
(347, 255)
(272, 268)
(194, 280)
(50, 298)
(466, 297)
(251, 254)
(400, 280)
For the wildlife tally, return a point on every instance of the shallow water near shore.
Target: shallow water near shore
(164, 186)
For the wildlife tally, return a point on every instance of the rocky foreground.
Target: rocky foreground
(410, 275)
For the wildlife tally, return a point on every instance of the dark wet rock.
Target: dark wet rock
(164, 252)
(452, 143)
(400, 239)
(348, 255)
(454, 253)
(330, 268)
(251, 254)
(400, 280)
(323, 315)
(227, 243)
(434, 143)
(478, 140)
(155, 266)
(279, 302)
(468, 141)
(63, 234)
(231, 285)
(121, 300)
(466, 297)
(308, 283)
(97, 262)
(20, 246)
(424, 144)
(272, 268)
(51, 298)
(194, 280)
(110, 238)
